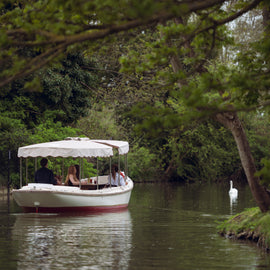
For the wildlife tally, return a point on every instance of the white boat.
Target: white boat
(90, 196)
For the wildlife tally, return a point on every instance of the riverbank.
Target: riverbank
(251, 224)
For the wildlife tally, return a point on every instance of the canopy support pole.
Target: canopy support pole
(63, 169)
(126, 167)
(110, 172)
(81, 169)
(20, 172)
(97, 172)
(80, 165)
(26, 171)
(35, 164)
(119, 170)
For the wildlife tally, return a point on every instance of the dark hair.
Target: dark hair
(115, 166)
(114, 170)
(44, 162)
(77, 171)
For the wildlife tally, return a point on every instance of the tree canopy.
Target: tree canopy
(184, 63)
(49, 28)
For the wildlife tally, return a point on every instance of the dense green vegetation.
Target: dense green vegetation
(168, 76)
(202, 151)
(47, 112)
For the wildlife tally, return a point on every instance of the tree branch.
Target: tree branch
(185, 7)
(247, 8)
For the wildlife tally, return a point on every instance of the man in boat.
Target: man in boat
(45, 175)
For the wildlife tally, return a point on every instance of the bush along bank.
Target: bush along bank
(251, 224)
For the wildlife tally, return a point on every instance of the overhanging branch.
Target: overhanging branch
(63, 42)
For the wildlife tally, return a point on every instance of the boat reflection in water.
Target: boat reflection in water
(52, 241)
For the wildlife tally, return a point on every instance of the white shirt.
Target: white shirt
(115, 182)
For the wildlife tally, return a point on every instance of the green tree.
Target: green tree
(52, 27)
(191, 39)
(68, 88)
(65, 89)
(13, 133)
(213, 90)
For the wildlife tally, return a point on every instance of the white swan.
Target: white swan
(233, 192)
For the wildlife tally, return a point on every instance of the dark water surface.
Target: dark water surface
(165, 227)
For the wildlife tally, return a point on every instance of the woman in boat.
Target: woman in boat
(114, 179)
(71, 179)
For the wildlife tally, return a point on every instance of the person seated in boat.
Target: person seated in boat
(113, 178)
(71, 179)
(45, 175)
(77, 171)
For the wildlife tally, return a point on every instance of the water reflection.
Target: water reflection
(167, 226)
(233, 204)
(73, 242)
(233, 194)
(178, 229)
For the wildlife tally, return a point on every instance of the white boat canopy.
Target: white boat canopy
(122, 146)
(74, 147)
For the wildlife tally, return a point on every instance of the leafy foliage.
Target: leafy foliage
(142, 164)
(174, 79)
(12, 134)
(68, 87)
(101, 123)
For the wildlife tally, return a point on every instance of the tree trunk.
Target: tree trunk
(232, 122)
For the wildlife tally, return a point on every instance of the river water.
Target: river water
(167, 226)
